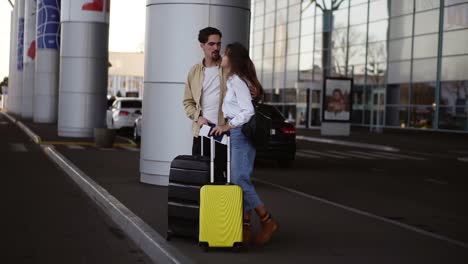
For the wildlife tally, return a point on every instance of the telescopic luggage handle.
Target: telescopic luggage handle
(213, 154)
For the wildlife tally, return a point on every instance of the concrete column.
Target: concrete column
(12, 69)
(16, 96)
(172, 48)
(29, 56)
(83, 67)
(46, 76)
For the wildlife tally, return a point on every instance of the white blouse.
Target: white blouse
(237, 104)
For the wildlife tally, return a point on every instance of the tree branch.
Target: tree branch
(319, 6)
(11, 3)
(338, 5)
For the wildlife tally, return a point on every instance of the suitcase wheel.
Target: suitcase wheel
(204, 246)
(237, 247)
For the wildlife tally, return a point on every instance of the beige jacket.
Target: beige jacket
(193, 92)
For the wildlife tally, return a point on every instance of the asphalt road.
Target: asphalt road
(45, 217)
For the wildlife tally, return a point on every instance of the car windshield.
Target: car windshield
(271, 111)
(131, 104)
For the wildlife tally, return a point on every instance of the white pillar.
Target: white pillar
(172, 49)
(16, 97)
(83, 67)
(29, 56)
(47, 61)
(12, 70)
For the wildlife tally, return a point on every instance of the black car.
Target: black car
(282, 144)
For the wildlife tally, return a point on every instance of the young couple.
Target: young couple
(220, 91)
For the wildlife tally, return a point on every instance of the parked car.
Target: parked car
(282, 145)
(137, 129)
(123, 112)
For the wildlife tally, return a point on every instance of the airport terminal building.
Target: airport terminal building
(408, 59)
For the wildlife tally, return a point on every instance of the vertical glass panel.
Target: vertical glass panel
(270, 5)
(397, 94)
(307, 44)
(258, 38)
(452, 2)
(268, 50)
(401, 26)
(294, 13)
(454, 94)
(308, 9)
(292, 63)
(456, 17)
(305, 61)
(378, 10)
(399, 49)
(357, 2)
(399, 72)
(377, 52)
(426, 22)
(423, 93)
(357, 34)
(396, 116)
(357, 72)
(280, 48)
(376, 72)
(455, 68)
(339, 37)
(455, 42)
(267, 73)
(425, 46)
(357, 54)
(401, 7)
(281, 4)
(378, 31)
(453, 118)
(258, 23)
(259, 8)
(421, 116)
(340, 18)
(293, 30)
(424, 70)
(269, 35)
(318, 24)
(307, 26)
(281, 16)
(358, 15)
(293, 45)
(270, 19)
(339, 61)
(258, 52)
(318, 41)
(426, 4)
(280, 32)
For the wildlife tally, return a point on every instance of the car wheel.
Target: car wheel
(285, 163)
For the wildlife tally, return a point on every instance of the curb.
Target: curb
(150, 242)
(347, 143)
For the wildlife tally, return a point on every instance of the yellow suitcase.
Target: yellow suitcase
(220, 211)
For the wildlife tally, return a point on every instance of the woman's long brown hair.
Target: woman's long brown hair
(242, 65)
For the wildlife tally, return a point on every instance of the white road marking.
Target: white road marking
(400, 156)
(436, 181)
(462, 159)
(305, 155)
(130, 148)
(350, 155)
(324, 154)
(372, 154)
(75, 147)
(18, 147)
(3, 123)
(370, 215)
(346, 143)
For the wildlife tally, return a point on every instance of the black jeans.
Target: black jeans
(220, 161)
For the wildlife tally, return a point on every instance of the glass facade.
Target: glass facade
(408, 59)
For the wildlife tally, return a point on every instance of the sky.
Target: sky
(126, 29)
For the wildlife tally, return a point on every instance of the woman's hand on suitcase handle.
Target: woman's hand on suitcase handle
(218, 130)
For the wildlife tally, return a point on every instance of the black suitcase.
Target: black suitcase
(186, 176)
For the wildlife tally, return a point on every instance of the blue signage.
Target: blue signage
(19, 61)
(48, 24)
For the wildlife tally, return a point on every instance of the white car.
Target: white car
(137, 129)
(123, 112)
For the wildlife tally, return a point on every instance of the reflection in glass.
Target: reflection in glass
(426, 22)
(399, 49)
(293, 30)
(258, 23)
(378, 31)
(455, 42)
(280, 32)
(452, 2)
(280, 48)
(268, 50)
(269, 35)
(426, 46)
(357, 34)
(308, 9)
(423, 93)
(399, 72)
(421, 116)
(340, 18)
(396, 116)
(453, 118)
(281, 16)
(293, 45)
(454, 94)
(258, 52)
(339, 62)
(424, 70)
(401, 7)
(305, 61)
(294, 13)
(270, 19)
(378, 10)
(401, 26)
(258, 38)
(307, 43)
(455, 68)
(259, 7)
(357, 73)
(357, 54)
(426, 4)
(456, 17)
(307, 26)
(398, 94)
(358, 15)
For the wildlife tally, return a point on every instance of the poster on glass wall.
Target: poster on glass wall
(336, 103)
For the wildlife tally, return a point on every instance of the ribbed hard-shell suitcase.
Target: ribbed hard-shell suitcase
(221, 211)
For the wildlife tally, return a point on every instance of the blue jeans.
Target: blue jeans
(242, 163)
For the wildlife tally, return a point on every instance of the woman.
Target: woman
(243, 85)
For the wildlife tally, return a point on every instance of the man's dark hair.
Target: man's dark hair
(206, 32)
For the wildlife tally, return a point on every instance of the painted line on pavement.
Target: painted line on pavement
(462, 159)
(370, 215)
(347, 143)
(152, 243)
(131, 142)
(18, 147)
(436, 181)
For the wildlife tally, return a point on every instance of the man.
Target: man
(204, 93)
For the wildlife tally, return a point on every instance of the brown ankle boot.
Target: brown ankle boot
(246, 233)
(269, 226)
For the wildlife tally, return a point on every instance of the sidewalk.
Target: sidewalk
(304, 236)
